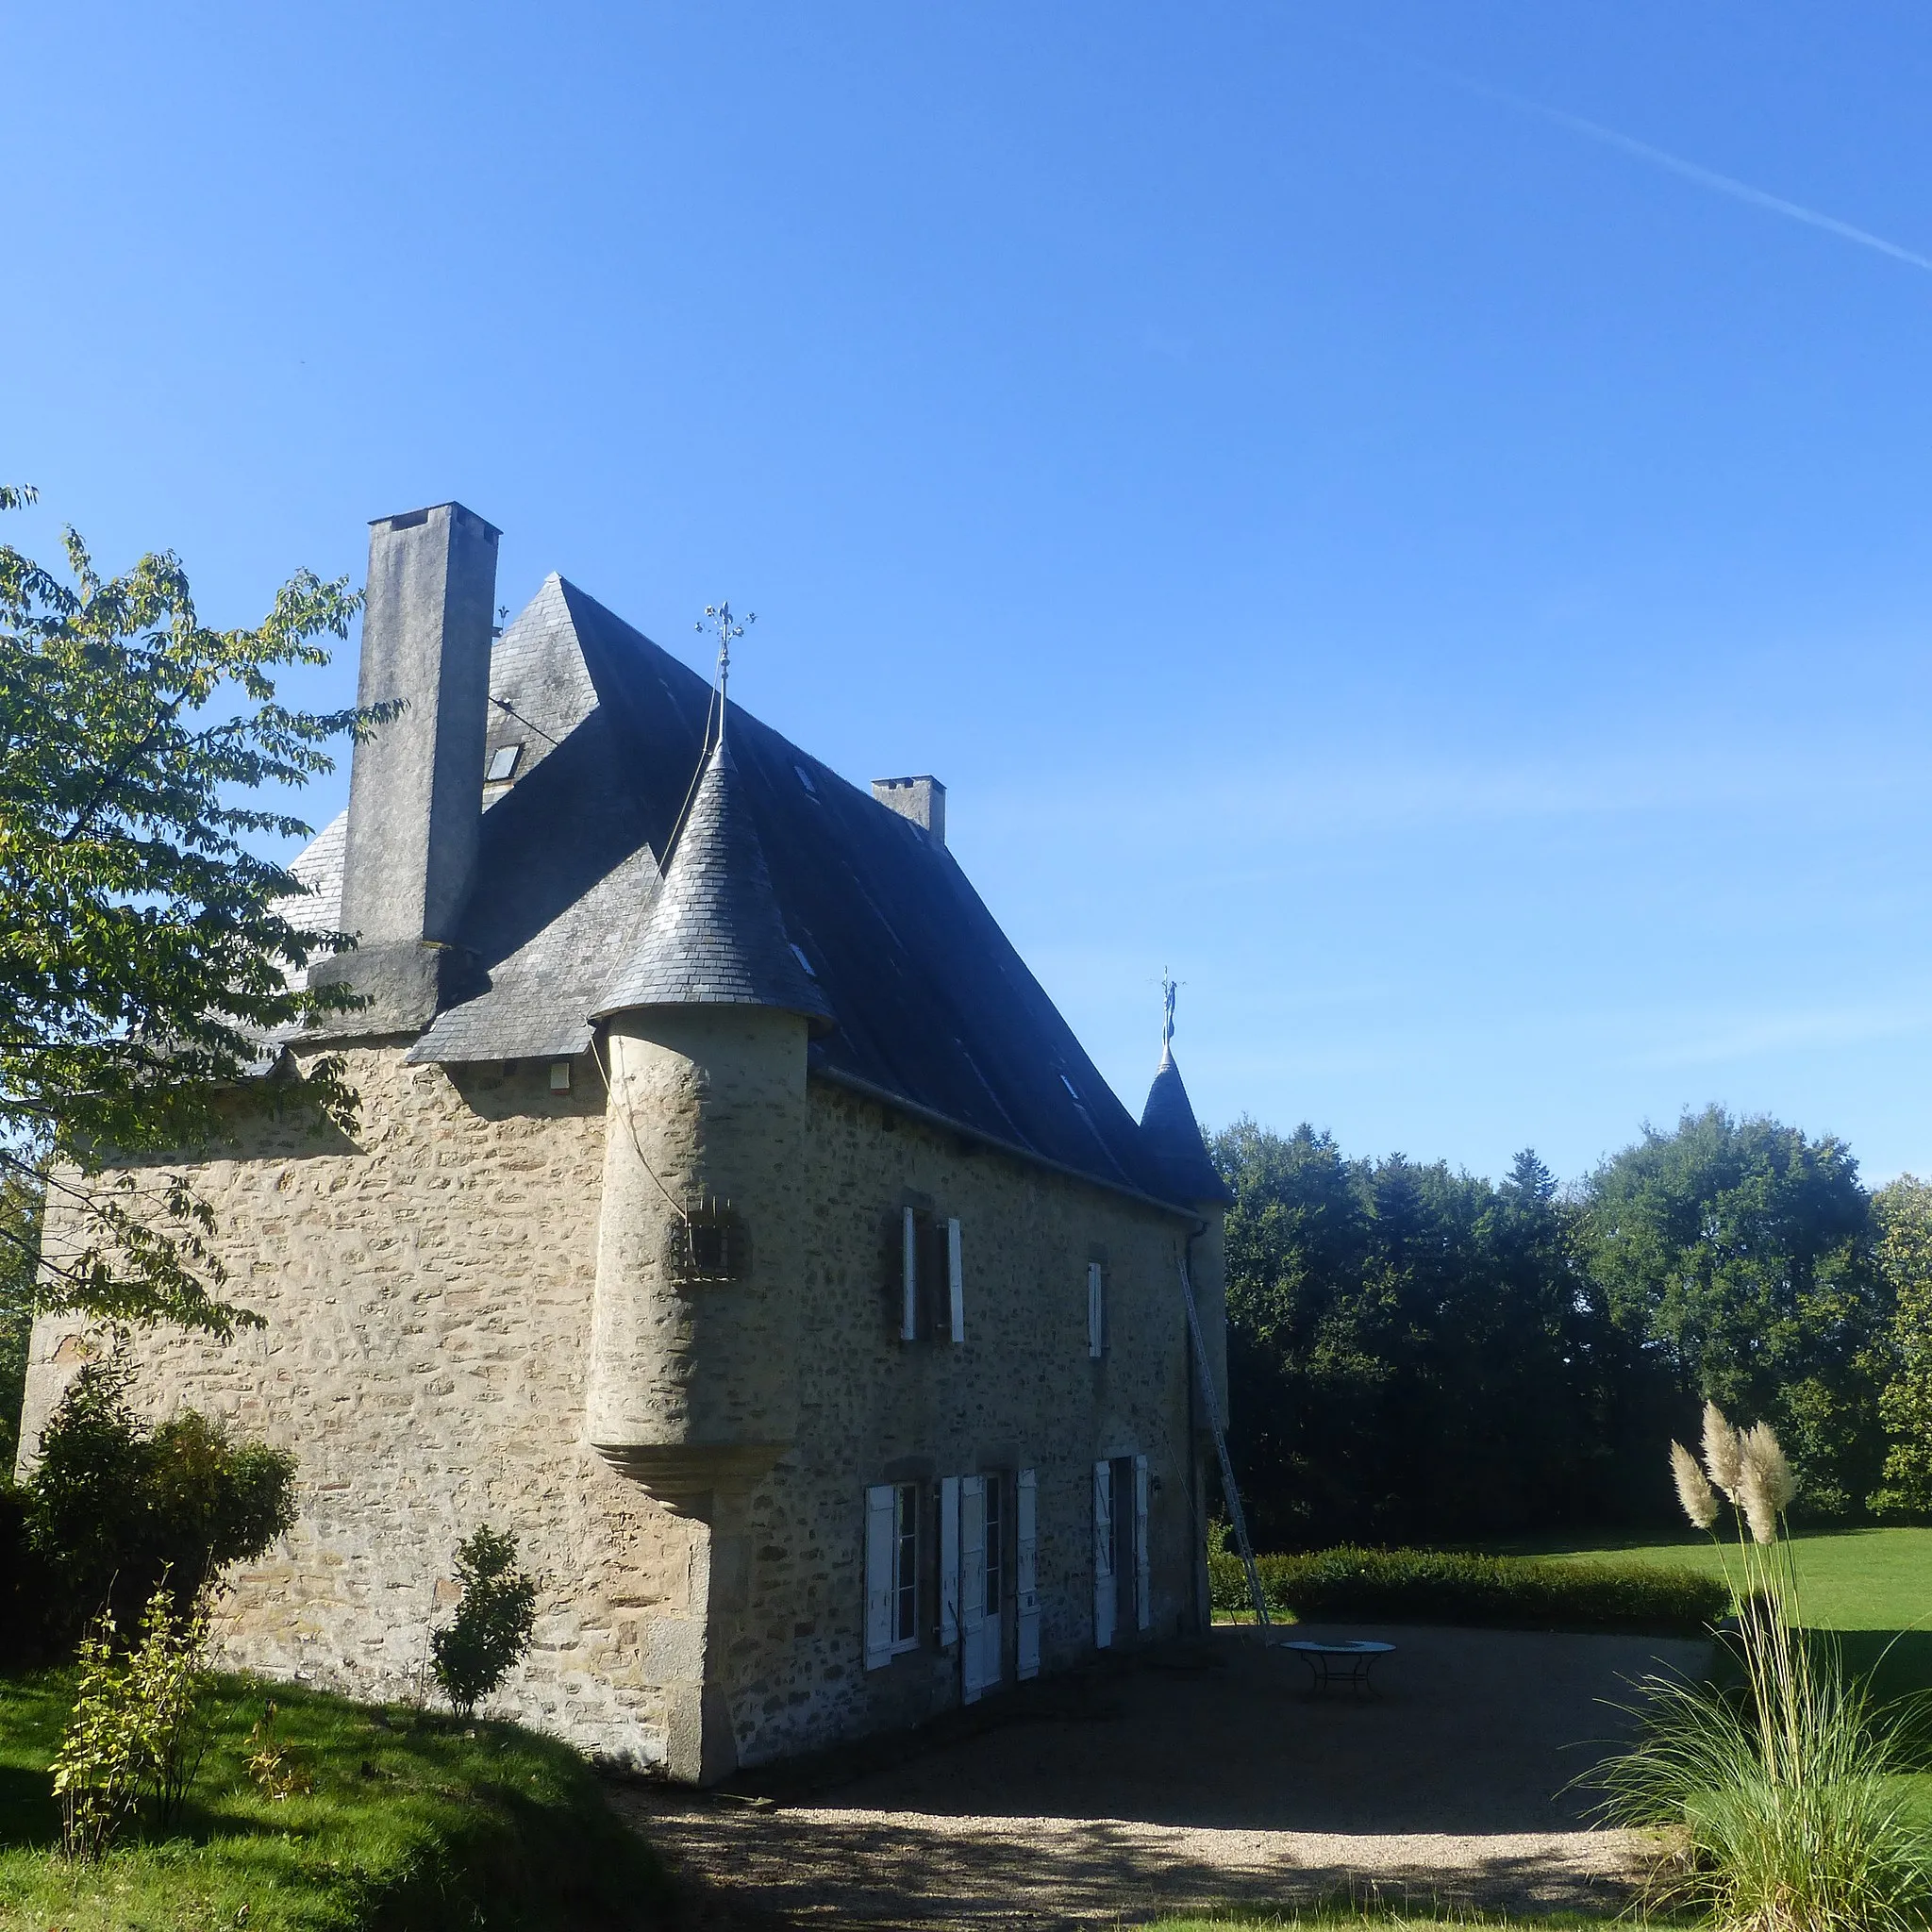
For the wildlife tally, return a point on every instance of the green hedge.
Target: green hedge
(1454, 1587)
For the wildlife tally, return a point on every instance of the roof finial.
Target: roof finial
(1169, 984)
(720, 623)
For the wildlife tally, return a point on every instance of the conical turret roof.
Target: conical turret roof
(715, 937)
(1175, 1137)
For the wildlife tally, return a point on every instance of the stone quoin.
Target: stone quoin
(731, 1216)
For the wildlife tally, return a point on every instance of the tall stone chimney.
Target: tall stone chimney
(416, 785)
(922, 799)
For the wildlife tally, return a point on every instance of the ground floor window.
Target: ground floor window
(891, 1572)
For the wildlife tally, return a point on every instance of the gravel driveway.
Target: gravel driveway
(1187, 1776)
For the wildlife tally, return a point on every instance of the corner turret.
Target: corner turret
(1175, 1135)
(692, 1387)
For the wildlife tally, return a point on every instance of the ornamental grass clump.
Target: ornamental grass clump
(1787, 1785)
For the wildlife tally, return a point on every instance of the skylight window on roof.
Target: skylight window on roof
(805, 779)
(502, 764)
(798, 954)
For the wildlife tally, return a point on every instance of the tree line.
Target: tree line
(1416, 1355)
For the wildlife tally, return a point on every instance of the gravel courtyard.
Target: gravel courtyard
(1200, 1773)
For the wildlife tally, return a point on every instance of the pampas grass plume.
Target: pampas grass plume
(1766, 1485)
(1697, 1496)
(1724, 1454)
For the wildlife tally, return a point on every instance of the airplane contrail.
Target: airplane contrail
(1689, 171)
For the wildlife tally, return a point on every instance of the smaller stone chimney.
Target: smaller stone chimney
(922, 800)
(416, 785)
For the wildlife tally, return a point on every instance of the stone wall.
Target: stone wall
(427, 1291)
(429, 1295)
(1019, 1392)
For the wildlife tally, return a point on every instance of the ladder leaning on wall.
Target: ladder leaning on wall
(1228, 1488)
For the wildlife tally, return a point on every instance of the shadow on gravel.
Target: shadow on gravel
(1183, 1776)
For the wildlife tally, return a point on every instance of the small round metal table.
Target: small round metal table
(1339, 1663)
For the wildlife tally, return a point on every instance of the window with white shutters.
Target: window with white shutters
(908, 1275)
(891, 1572)
(1025, 1575)
(955, 1283)
(1096, 1309)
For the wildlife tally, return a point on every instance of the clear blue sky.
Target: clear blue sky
(1345, 522)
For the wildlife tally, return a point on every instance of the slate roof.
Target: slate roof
(934, 1010)
(715, 937)
(1175, 1135)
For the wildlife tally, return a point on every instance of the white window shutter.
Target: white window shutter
(1026, 1574)
(949, 1560)
(973, 1617)
(1096, 1310)
(1102, 1555)
(909, 1277)
(956, 1282)
(1144, 1577)
(881, 1544)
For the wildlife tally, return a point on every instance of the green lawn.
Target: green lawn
(1853, 1579)
(1871, 1586)
(415, 1823)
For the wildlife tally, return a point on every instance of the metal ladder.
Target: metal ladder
(1227, 1482)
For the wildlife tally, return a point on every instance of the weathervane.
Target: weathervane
(1169, 984)
(719, 622)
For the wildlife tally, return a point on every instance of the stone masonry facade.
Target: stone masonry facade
(428, 1294)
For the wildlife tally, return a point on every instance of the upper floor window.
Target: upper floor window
(1096, 1309)
(932, 1277)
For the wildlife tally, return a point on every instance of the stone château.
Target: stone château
(731, 1216)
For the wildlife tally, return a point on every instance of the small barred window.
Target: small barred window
(709, 1245)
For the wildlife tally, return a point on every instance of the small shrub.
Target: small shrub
(491, 1631)
(113, 1507)
(97, 1772)
(1459, 1587)
(275, 1767)
(137, 1731)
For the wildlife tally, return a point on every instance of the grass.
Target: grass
(414, 1822)
(1872, 1586)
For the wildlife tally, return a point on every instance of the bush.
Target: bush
(491, 1631)
(136, 1731)
(1454, 1587)
(114, 1509)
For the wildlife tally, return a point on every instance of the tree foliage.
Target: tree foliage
(1418, 1355)
(1739, 1251)
(1904, 1211)
(1410, 1349)
(144, 953)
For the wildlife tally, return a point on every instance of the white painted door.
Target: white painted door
(972, 1618)
(1026, 1574)
(1104, 1591)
